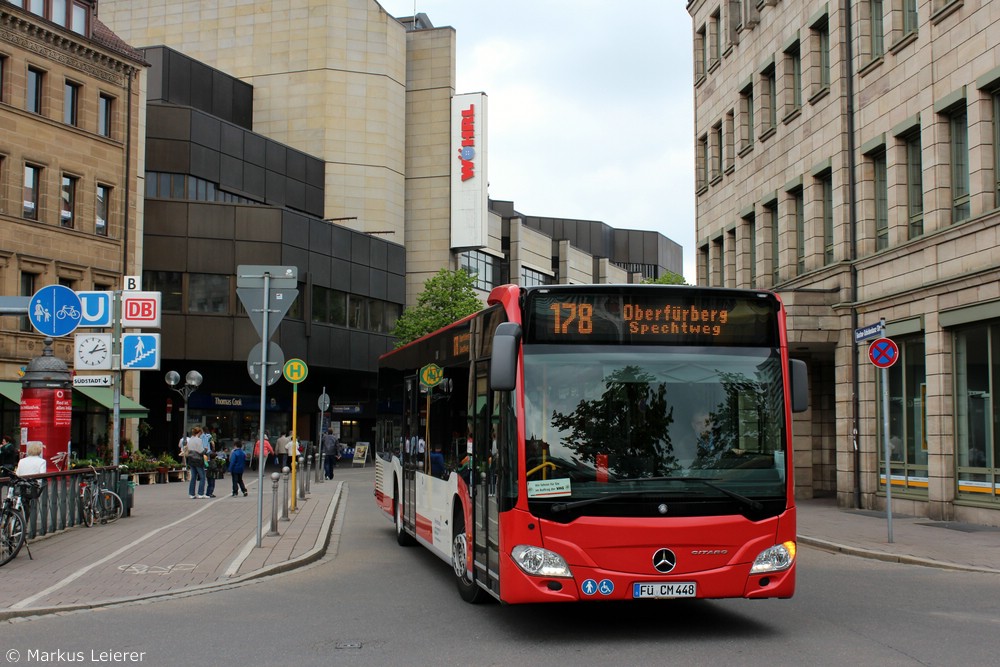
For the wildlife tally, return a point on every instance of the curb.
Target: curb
(887, 557)
(314, 554)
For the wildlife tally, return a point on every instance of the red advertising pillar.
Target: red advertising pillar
(47, 407)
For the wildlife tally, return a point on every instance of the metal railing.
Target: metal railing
(58, 508)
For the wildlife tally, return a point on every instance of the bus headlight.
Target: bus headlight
(774, 559)
(540, 562)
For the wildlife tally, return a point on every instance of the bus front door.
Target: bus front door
(486, 554)
(412, 437)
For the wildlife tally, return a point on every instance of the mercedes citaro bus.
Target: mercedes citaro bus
(598, 442)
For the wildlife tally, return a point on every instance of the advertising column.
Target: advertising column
(47, 407)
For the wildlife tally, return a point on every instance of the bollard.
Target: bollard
(286, 472)
(274, 504)
(301, 478)
(309, 463)
(318, 476)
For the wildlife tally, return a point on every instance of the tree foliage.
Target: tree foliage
(668, 278)
(448, 296)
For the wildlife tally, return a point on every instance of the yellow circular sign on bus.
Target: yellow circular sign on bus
(295, 370)
(431, 375)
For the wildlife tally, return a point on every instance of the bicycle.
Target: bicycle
(98, 504)
(13, 523)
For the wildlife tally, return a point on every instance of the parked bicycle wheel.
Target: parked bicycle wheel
(109, 506)
(12, 535)
(87, 505)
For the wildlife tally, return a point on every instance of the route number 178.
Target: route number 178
(579, 315)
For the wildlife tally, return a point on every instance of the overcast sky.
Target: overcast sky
(590, 106)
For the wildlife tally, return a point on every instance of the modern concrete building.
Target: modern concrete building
(70, 136)
(847, 158)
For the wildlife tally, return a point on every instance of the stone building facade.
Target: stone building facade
(847, 158)
(71, 107)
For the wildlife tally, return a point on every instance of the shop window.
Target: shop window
(907, 418)
(977, 409)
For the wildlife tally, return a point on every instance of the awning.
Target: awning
(11, 391)
(127, 408)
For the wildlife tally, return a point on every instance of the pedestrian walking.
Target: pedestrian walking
(282, 450)
(8, 452)
(193, 453)
(237, 463)
(331, 453)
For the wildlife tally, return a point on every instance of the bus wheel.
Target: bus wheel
(403, 538)
(467, 588)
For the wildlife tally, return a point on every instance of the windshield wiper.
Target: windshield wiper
(559, 507)
(707, 481)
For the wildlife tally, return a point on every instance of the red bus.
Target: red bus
(598, 442)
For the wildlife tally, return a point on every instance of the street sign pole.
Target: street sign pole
(116, 374)
(263, 408)
(885, 445)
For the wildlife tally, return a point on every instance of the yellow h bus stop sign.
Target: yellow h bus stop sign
(295, 370)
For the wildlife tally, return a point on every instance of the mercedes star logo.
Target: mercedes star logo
(664, 560)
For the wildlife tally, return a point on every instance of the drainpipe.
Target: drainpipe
(852, 212)
(128, 170)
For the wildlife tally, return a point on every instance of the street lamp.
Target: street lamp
(191, 383)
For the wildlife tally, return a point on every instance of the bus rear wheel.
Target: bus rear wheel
(467, 588)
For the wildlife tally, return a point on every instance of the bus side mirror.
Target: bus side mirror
(799, 375)
(503, 365)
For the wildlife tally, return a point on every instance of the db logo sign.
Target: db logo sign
(141, 309)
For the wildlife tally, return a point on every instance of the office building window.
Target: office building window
(102, 207)
(169, 284)
(329, 306)
(771, 221)
(959, 149)
(793, 78)
(977, 403)
(907, 417)
(717, 151)
(826, 201)
(33, 96)
(67, 210)
(715, 39)
(531, 277)
(71, 103)
(704, 160)
(821, 55)
(910, 19)
(730, 145)
(32, 191)
(750, 225)
(799, 220)
(880, 184)
(482, 267)
(746, 118)
(914, 185)
(876, 29)
(700, 53)
(208, 293)
(769, 99)
(105, 106)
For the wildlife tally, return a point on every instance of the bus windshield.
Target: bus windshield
(690, 424)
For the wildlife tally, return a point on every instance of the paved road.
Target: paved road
(172, 543)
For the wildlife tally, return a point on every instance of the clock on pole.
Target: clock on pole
(92, 351)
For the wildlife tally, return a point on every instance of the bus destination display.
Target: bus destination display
(653, 317)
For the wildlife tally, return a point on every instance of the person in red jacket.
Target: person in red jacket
(268, 450)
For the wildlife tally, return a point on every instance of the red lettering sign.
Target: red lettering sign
(140, 309)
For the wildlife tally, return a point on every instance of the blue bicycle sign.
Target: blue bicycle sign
(55, 310)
